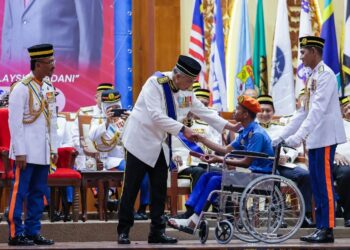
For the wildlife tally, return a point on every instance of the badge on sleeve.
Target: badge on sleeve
(50, 97)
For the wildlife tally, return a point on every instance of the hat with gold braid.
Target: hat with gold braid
(344, 100)
(110, 96)
(104, 86)
(40, 51)
(311, 41)
(188, 66)
(203, 93)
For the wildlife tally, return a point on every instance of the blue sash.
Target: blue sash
(189, 144)
(170, 105)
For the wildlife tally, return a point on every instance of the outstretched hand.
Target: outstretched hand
(189, 134)
(233, 127)
(210, 158)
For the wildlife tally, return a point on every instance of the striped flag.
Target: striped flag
(282, 81)
(217, 76)
(232, 53)
(196, 46)
(305, 29)
(259, 58)
(346, 50)
(244, 78)
(330, 50)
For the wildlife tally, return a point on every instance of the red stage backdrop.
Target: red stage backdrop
(81, 32)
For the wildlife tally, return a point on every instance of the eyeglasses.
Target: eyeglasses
(51, 62)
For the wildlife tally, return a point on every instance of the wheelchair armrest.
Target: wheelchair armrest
(243, 153)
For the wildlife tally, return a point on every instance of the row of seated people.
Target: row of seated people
(203, 182)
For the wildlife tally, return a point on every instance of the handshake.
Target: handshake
(191, 135)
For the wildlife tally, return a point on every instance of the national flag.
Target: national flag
(217, 76)
(330, 50)
(259, 59)
(244, 78)
(232, 53)
(196, 46)
(346, 50)
(282, 82)
(305, 29)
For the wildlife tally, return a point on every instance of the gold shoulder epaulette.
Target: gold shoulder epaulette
(26, 80)
(279, 123)
(202, 122)
(320, 69)
(163, 79)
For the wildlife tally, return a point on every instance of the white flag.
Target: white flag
(282, 83)
(305, 29)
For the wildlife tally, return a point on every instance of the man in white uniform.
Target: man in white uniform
(33, 129)
(319, 123)
(163, 102)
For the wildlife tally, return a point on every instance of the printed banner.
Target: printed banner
(82, 35)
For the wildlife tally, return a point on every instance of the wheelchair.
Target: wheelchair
(253, 207)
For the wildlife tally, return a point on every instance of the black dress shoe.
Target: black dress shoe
(324, 235)
(307, 223)
(123, 239)
(20, 240)
(112, 205)
(347, 223)
(161, 238)
(304, 238)
(40, 240)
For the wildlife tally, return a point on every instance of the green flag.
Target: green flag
(259, 59)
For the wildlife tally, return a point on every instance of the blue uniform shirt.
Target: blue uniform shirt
(254, 138)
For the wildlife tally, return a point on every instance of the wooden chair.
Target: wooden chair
(65, 176)
(176, 187)
(5, 163)
(85, 142)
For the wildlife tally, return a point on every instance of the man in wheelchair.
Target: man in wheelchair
(251, 138)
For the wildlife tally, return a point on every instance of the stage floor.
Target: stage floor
(343, 243)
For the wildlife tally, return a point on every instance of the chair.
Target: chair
(85, 143)
(65, 176)
(5, 163)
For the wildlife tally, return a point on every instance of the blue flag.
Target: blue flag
(330, 50)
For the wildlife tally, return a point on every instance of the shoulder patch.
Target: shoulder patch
(163, 79)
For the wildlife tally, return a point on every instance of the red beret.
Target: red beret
(249, 103)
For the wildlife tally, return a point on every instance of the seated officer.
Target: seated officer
(286, 166)
(341, 169)
(105, 133)
(94, 111)
(251, 138)
(191, 167)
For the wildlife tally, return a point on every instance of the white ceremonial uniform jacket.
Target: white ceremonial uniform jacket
(344, 148)
(35, 140)
(64, 135)
(146, 128)
(180, 149)
(319, 121)
(273, 130)
(98, 130)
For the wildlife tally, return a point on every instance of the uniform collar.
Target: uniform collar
(245, 131)
(265, 125)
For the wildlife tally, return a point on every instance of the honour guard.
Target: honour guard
(319, 123)
(287, 167)
(163, 103)
(33, 128)
(341, 170)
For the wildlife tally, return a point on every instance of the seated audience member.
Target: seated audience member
(105, 133)
(251, 138)
(341, 170)
(286, 167)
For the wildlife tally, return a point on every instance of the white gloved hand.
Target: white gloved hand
(294, 141)
(276, 141)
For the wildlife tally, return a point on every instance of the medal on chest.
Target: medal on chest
(184, 101)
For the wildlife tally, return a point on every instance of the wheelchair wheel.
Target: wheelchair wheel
(266, 203)
(224, 232)
(203, 231)
(241, 233)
